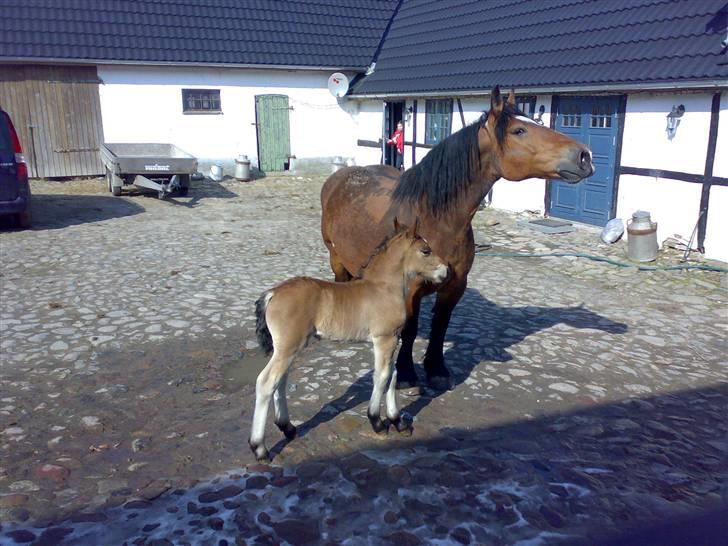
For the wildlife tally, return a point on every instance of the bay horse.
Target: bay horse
(372, 307)
(444, 191)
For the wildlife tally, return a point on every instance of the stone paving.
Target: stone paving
(589, 401)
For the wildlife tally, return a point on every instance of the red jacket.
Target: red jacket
(398, 141)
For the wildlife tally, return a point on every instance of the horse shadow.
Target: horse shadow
(505, 326)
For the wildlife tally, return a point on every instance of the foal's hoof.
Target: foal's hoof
(403, 424)
(261, 453)
(378, 425)
(288, 429)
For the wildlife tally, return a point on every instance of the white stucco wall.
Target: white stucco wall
(144, 104)
(674, 204)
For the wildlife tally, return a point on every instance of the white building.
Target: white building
(219, 81)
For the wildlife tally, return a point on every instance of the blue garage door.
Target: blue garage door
(592, 120)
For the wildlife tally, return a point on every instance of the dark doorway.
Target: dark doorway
(393, 113)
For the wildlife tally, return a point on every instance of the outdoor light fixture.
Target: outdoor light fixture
(673, 120)
(408, 117)
(538, 119)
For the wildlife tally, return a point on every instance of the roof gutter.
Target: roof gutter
(50, 60)
(608, 88)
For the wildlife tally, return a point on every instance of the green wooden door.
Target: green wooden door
(274, 143)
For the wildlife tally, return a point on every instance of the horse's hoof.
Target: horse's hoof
(439, 383)
(261, 453)
(408, 386)
(288, 430)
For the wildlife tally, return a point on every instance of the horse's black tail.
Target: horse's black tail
(261, 324)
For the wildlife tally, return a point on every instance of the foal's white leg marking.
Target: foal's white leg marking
(265, 385)
(280, 404)
(392, 410)
(384, 347)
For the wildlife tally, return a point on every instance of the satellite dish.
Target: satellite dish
(338, 84)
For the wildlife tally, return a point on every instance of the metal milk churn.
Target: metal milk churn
(641, 237)
(242, 167)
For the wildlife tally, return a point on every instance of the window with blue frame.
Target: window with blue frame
(438, 120)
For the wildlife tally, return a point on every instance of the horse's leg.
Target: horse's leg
(341, 274)
(280, 408)
(406, 375)
(438, 377)
(384, 347)
(266, 384)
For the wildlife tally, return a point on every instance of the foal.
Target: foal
(372, 307)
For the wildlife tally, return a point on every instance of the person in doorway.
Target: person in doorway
(397, 139)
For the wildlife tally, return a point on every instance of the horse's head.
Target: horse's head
(419, 260)
(521, 148)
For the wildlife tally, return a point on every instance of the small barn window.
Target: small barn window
(601, 116)
(527, 105)
(201, 101)
(572, 116)
(438, 120)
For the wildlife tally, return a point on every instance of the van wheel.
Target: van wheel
(24, 219)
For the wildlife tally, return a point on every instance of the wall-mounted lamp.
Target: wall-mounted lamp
(673, 120)
(408, 117)
(539, 118)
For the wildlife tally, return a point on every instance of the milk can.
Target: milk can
(641, 237)
(242, 167)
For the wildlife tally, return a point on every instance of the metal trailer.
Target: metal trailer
(160, 167)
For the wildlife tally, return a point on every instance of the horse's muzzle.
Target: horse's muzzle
(578, 165)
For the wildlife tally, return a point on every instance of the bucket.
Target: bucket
(242, 167)
(641, 237)
(216, 173)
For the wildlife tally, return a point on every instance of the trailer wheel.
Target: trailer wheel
(184, 188)
(110, 183)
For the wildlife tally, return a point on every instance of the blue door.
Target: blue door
(593, 121)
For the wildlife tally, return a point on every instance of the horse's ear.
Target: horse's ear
(512, 97)
(496, 101)
(397, 225)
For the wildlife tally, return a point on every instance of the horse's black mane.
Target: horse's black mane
(451, 166)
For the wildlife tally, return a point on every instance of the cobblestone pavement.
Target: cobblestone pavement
(589, 401)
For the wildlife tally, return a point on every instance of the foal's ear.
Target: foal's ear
(496, 101)
(414, 228)
(512, 97)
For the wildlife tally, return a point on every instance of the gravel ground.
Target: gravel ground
(589, 401)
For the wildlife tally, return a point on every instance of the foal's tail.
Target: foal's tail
(261, 324)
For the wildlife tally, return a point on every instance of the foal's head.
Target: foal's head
(407, 255)
(520, 148)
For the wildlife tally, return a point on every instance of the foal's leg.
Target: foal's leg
(280, 408)
(402, 422)
(266, 384)
(384, 347)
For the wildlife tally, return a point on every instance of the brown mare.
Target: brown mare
(372, 307)
(444, 191)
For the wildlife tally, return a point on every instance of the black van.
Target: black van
(14, 188)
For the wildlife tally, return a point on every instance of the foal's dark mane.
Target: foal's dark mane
(380, 249)
(451, 166)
